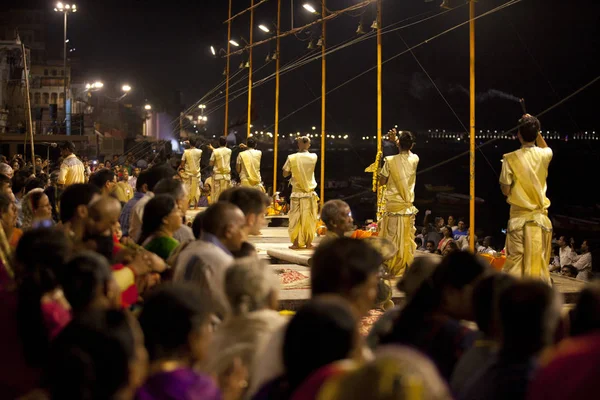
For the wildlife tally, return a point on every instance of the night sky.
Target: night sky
(539, 50)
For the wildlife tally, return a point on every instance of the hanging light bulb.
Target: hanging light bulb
(320, 42)
(310, 45)
(224, 71)
(268, 58)
(360, 30)
(274, 57)
(241, 65)
(375, 25)
(247, 64)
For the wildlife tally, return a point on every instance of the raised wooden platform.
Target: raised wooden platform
(273, 245)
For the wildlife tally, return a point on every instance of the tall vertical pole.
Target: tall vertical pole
(472, 124)
(65, 62)
(29, 128)
(226, 129)
(323, 99)
(379, 74)
(250, 69)
(276, 133)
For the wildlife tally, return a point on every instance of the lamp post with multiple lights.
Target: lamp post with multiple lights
(65, 9)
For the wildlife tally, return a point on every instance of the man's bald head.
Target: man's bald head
(225, 221)
(103, 214)
(337, 216)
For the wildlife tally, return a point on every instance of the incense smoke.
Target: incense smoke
(420, 86)
(490, 94)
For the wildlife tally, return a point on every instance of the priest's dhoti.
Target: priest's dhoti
(247, 183)
(400, 230)
(218, 187)
(528, 251)
(191, 185)
(303, 216)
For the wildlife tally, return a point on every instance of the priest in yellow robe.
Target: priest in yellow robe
(220, 160)
(523, 182)
(399, 175)
(190, 162)
(248, 165)
(303, 214)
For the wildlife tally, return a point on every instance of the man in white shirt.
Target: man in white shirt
(133, 179)
(220, 160)
(206, 260)
(565, 251)
(248, 165)
(583, 263)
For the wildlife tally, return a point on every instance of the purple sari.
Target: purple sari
(185, 384)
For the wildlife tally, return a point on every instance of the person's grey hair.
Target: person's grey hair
(170, 186)
(249, 283)
(6, 169)
(330, 211)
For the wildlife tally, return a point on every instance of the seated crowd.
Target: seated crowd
(571, 258)
(113, 301)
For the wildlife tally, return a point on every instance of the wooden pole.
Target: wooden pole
(29, 119)
(379, 79)
(323, 99)
(250, 70)
(472, 125)
(226, 129)
(276, 133)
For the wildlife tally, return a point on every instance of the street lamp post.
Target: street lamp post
(65, 9)
(147, 111)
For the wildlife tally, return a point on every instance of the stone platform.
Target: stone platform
(275, 241)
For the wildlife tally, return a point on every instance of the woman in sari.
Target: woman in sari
(34, 310)
(8, 219)
(446, 239)
(36, 209)
(162, 218)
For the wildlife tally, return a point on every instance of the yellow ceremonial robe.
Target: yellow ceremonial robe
(398, 221)
(303, 214)
(249, 161)
(221, 159)
(529, 232)
(191, 174)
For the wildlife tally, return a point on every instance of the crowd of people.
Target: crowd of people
(570, 257)
(123, 298)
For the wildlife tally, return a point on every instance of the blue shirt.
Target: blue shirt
(126, 212)
(457, 234)
(210, 238)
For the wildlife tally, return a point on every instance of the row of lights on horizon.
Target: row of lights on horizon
(313, 135)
